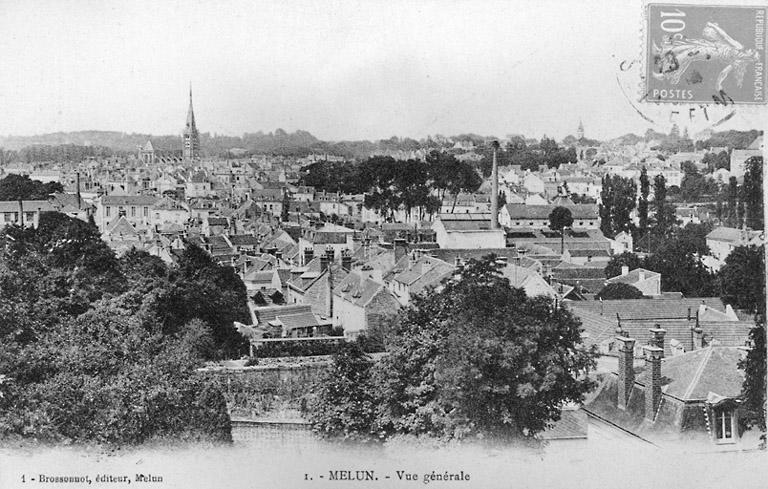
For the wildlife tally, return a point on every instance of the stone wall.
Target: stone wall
(270, 392)
(274, 434)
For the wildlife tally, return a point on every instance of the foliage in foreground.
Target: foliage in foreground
(478, 359)
(89, 351)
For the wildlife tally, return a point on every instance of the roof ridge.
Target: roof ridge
(697, 375)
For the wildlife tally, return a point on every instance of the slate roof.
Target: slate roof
(647, 308)
(466, 221)
(449, 255)
(218, 221)
(28, 205)
(267, 314)
(678, 418)
(425, 272)
(358, 289)
(258, 276)
(128, 200)
(578, 211)
(690, 377)
(588, 252)
(591, 278)
(572, 425)
(299, 320)
(633, 277)
(168, 204)
(122, 228)
(243, 240)
(723, 233)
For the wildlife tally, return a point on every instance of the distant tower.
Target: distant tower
(191, 137)
(579, 131)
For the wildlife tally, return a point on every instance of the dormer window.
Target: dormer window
(725, 426)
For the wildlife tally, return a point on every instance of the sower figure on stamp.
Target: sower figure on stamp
(677, 53)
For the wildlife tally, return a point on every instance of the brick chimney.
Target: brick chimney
(309, 254)
(653, 356)
(279, 255)
(624, 270)
(698, 338)
(657, 338)
(401, 249)
(626, 370)
(346, 260)
(323, 262)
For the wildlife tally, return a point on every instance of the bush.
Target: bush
(298, 348)
(619, 291)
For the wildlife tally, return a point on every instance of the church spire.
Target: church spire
(190, 111)
(191, 137)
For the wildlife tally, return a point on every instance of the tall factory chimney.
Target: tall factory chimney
(495, 188)
(79, 198)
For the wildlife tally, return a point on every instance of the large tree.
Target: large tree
(479, 358)
(560, 218)
(742, 278)
(617, 199)
(752, 192)
(16, 187)
(619, 291)
(642, 204)
(663, 211)
(345, 403)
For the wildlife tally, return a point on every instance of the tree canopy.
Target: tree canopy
(96, 348)
(560, 218)
(477, 358)
(619, 291)
(15, 187)
(617, 199)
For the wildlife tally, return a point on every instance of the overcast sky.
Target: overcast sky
(339, 69)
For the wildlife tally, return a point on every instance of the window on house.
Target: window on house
(146, 211)
(724, 426)
(15, 217)
(29, 216)
(7, 216)
(133, 212)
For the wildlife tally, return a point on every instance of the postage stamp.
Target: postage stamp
(705, 54)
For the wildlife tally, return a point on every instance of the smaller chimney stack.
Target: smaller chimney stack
(401, 249)
(309, 254)
(346, 260)
(624, 270)
(626, 370)
(657, 338)
(653, 356)
(323, 262)
(698, 338)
